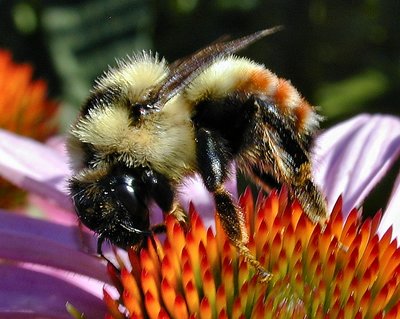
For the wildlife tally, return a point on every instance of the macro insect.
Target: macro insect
(146, 125)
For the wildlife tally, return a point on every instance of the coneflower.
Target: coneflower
(342, 271)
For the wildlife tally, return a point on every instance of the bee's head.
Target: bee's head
(113, 203)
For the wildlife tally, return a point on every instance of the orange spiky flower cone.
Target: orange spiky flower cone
(344, 271)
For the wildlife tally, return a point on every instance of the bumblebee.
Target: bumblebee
(146, 125)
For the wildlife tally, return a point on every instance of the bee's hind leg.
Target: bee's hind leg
(213, 159)
(232, 221)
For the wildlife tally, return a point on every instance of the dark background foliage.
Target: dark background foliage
(344, 56)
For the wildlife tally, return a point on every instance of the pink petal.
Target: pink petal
(49, 210)
(34, 167)
(391, 217)
(24, 239)
(193, 191)
(353, 156)
(26, 293)
(57, 143)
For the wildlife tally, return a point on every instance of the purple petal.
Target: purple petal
(24, 239)
(26, 293)
(352, 157)
(49, 210)
(392, 213)
(34, 167)
(193, 191)
(57, 143)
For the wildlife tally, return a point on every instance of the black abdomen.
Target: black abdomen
(232, 118)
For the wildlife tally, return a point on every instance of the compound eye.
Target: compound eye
(127, 192)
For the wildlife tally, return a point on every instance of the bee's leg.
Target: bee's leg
(158, 228)
(312, 201)
(265, 180)
(178, 212)
(100, 241)
(163, 194)
(289, 161)
(213, 159)
(301, 187)
(232, 221)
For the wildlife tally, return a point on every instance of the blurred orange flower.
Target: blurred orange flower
(24, 110)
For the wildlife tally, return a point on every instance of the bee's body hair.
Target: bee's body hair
(146, 126)
(232, 75)
(111, 131)
(163, 142)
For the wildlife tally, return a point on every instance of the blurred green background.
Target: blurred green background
(343, 56)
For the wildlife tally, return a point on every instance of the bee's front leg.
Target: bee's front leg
(162, 192)
(213, 158)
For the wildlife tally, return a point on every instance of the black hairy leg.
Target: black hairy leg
(263, 179)
(213, 157)
(100, 241)
(161, 191)
(233, 223)
(286, 160)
